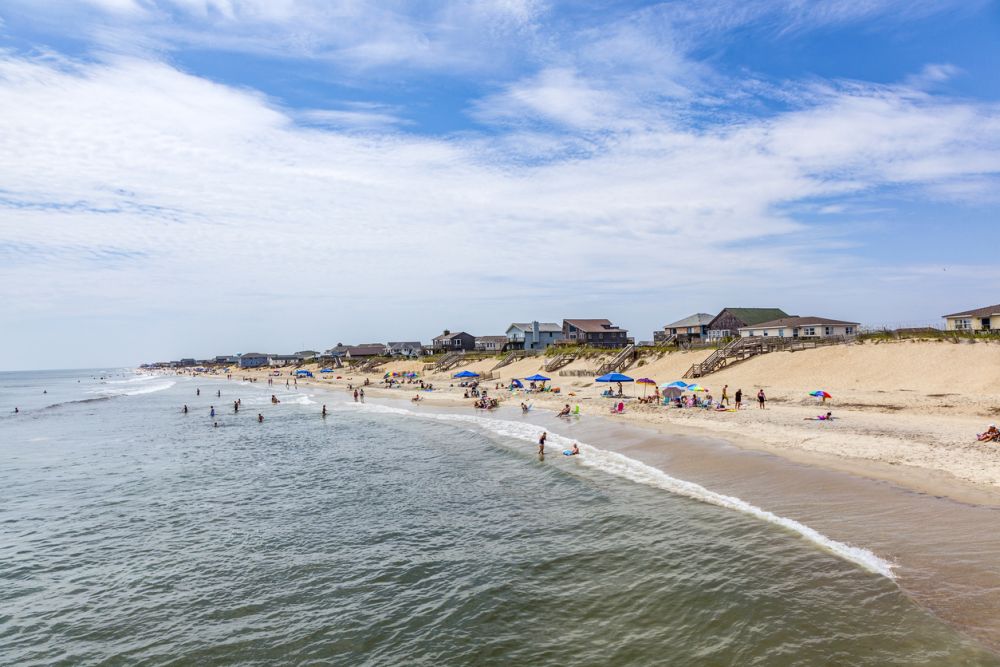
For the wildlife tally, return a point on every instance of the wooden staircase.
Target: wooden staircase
(449, 360)
(740, 349)
(513, 356)
(558, 361)
(619, 362)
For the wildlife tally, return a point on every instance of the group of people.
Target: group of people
(574, 449)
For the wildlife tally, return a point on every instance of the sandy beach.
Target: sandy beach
(906, 412)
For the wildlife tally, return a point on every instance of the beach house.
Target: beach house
(978, 319)
(729, 321)
(533, 335)
(801, 327)
(491, 343)
(692, 327)
(404, 349)
(595, 333)
(453, 342)
(254, 360)
(364, 351)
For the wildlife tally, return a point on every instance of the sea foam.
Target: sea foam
(628, 468)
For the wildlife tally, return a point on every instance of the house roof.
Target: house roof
(805, 321)
(696, 320)
(978, 312)
(365, 350)
(491, 339)
(403, 344)
(453, 334)
(594, 326)
(547, 327)
(306, 353)
(752, 316)
(254, 354)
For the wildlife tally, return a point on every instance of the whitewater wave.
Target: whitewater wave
(136, 390)
(628, 468)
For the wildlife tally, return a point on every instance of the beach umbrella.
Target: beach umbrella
(466, 374)
(820, 394)
(695, 387)
(672, 392)
(644, 382)
(537, 378)
(676, 384)
(614, 377)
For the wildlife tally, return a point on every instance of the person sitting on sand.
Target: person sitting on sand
(821, 418)
(416, 399)
(565, 411)
(991, 434)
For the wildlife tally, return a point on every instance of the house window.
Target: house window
(781, 333)
(765, 333)
(848, 330)
(963, 324)
(985, 322)
(808, 331)
(827, 331)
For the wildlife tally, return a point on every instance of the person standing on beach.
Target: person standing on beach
(739, 398)
(541, 443)
(725, 395)
(761, 399)
(362, 394)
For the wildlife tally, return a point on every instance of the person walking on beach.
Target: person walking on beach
(761, 399)
(362, 394)
(541, 443)
(725, 395)
(739, 398)
(355, 395)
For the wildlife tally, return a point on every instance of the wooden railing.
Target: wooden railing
(558, 361)
(740, 349)
(619, 361)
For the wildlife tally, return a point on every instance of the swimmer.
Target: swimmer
(212, 413)
(215, 425)
(541, 442)
(197, 392)
(324, 409)
(260, 418)
(16, 410)
(575, 450)
(185, 410)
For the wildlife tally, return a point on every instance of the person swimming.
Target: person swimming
(260, 418)
(185, 409)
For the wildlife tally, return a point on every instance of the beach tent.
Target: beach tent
(614, 377)
(303, 372)
(466, 374)
(326, 370)
(517, 384)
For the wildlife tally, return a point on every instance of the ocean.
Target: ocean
(136, 534)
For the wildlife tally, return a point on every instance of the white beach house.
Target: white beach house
(979, 319)
(801, 327)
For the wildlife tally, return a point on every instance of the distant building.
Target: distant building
(533, 335)
(404, 349)
(285, 359)
(491, 343)
(254, 360)
(801, 327)
(187, 362)
(692, 327)
(596, 333)
(227, 359)
(730, 320)
(364, 351)
(305, 355)
(453, 342)
(980, 319)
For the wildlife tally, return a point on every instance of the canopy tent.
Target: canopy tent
(303, 372)
(537, 378)
(326, 370)
(466, 374)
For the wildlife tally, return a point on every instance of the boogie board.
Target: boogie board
(568, 452)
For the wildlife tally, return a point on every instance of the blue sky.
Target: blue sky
(199, 177)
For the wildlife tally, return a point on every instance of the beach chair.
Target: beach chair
(618, 409)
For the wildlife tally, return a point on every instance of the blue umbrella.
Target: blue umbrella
(326, 370)
(614, 377)
(676, 384)
(537, 378)
(303, 372)
(466, 374)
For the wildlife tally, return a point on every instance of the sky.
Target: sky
(187, 178)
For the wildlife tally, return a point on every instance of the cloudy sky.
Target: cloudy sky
(200, 177)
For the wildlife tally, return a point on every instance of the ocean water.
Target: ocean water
(135, 534)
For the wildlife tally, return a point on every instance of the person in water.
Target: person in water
(260, 418)
(215, 425)
(575, 450)
(197, 392)
(16, 410)
(541, 442)
(524, 407)
(324, 409)
(185, 409)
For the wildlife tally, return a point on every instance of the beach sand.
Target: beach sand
(905, 411)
